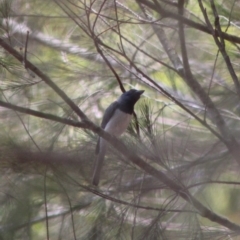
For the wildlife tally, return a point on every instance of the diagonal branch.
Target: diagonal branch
(160, 33)
(167, 14)
(192, 82)
(220, 42)
(44, 77)
(181, 190)
(188, 77)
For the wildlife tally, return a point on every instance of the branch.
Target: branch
(221, 46)
(160, 33)
(216, 117)
(188, 77)
(167, 14)
(43, 115)
(45, 78)
(181, 190)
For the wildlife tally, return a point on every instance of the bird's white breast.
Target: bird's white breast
(118, 123)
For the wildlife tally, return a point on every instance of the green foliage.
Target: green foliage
(186, 126)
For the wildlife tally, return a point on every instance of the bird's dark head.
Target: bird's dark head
(129, 98)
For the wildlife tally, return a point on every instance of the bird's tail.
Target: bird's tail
(99, 163)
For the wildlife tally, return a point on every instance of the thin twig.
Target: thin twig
(118, 26)
(211, 79)
(45, 201)
(25, 50)
(221, 46)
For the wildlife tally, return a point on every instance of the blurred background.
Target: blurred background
(184, 54)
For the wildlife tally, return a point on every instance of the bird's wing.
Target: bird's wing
(106, 117)
(109, 113)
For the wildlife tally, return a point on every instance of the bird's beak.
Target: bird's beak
(140, 92)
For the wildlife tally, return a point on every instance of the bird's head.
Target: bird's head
(131, 96)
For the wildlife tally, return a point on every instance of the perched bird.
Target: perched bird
(115, 121)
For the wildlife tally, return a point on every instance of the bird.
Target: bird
(115, 121)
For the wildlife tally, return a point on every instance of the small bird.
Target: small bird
(115, 121)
